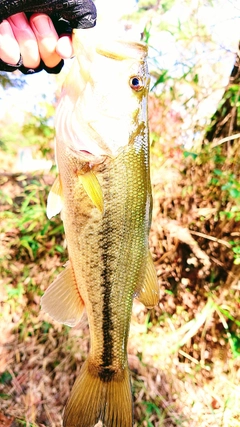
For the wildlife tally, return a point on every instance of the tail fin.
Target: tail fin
(93, 400)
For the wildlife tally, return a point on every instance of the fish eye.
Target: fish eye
(136, 83)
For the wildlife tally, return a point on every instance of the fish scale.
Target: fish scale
(103, 237)
(105, 198)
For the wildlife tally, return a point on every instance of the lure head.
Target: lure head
(104, 98)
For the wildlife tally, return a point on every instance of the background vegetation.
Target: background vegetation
(184, 354)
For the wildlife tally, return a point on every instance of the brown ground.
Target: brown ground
(180, 354)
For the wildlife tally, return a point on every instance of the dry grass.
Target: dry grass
(180, 354)
(171, 387)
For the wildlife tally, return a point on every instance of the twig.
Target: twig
(217, 262)
(49, 416)
(192, 359)
(227, 138)
(183, 234)
(15, 382)
(195, 324)
(214, 239)
(13, 174)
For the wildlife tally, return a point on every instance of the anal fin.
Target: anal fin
(149, 291)
(62, 300)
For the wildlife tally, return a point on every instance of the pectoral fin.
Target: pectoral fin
(55, 199)
(62, 300)
(149, 293)
(93, 189)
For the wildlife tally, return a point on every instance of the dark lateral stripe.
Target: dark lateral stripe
(106, 371)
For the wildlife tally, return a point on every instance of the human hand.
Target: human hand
(40, 38)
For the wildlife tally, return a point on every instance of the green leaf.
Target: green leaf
(6, 377)
(26, 245)
(226, 186)
(195, 78)
(161, 79)
(190, 154)
(218, 172)
(45, 327)
(234, 341)
(214, 181)
(5, 396)
(147, 33)
(229, 316)
(59, 248)
(168, 292)
(234, 193)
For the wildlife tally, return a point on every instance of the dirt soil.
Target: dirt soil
(184, 372)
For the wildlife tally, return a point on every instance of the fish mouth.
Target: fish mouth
(90, 117)
(90, 41)
(87, 157)
(87, 153)
(121, 50)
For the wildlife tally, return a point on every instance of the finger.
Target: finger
(9, 48)
(26, 40)
(64, 47)
(80, 13)
(47, 38)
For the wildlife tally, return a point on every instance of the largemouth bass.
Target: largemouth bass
(104, 194)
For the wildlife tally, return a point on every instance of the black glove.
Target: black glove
(65, 15)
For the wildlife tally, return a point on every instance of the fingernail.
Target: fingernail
(64, 47)
(42, 24)
(19, 20)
